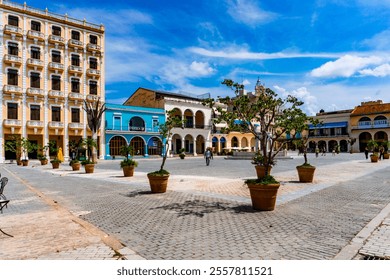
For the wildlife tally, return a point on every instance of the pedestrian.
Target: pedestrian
(317, 151)
(381, 152)
(366, 152)
(323, 151)
(333, 152)
(208, 154)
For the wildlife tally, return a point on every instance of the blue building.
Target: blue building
(135, 126)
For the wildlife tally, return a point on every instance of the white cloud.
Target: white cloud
(248, 12)
(201, 68)
(310, 106)
(346, 66)
(236, 52)
(380, 71)
(380, 41)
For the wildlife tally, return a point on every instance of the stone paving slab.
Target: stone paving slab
(204, 218)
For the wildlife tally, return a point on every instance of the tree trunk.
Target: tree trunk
(94, 150)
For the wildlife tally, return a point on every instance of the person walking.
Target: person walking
(317, 151)
(208, 154)
(366, 152)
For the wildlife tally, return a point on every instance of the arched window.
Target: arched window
(115, 144)
(136, 124)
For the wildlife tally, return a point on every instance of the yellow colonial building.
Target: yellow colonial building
(49, 65)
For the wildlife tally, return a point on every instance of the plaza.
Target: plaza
(205, 214)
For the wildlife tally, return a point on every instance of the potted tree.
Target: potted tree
(42, 154)
(73, 149)
(128, 164)
(386, 145)
(14, 146)
(182, 154)
(158, 180)
(373, 146)
(26, 147)
(55, 162)
(89, 164)
(260, 114)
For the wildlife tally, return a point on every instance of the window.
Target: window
(13, 49)
(56, 30)
(35, 25)
(75, 85)
(56, 114)
(75, 35)
(155, 122)
(93, 63)
(75, 60)
(56, 82)
(136, 124)
(12, 77)
(75, 115)
(93, 39)
(56, 56)
(93, 87)
(12, 111)
(35, 113)
(35, 80)
(13, 20)
(35, 53)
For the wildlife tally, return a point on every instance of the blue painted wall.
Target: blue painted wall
(132, 122)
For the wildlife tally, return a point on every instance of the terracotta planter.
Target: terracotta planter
(76, 166)
(263, 196)
(374, 158)
(386, 156)
(18, 162)
(260, 171)
(158, 184)
(128, 171)
(89, 168)
(25, 162)
(55, 165)
(306, 173)
(44, 161)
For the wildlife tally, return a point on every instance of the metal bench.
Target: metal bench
(3, 200)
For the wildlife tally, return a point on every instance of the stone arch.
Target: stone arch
(138, 144)
(189, 143)
(199, 119)
(343, 146)
(332, 144)
(364, 137)
(244, 142)
(116, 142)
(380, 136)
(189, 118)
(234, 142)
(176, 143)
(155, 146)
(200, 144)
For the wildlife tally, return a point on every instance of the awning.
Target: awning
(329, 125)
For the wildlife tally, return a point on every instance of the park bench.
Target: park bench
(3, 199)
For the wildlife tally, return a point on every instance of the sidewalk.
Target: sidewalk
(55, 232)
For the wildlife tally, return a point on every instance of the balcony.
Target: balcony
(12, 123)
(93, 72)
(35, 124)
(56, 94)
(54, 39)
(35, 92)
(92, 97)
(93, 48)
(75, 96)
(32, 34)
(13, 30)
(75, 44)
(12, 59)
(75, 69)
(372, 124)
(76, 126)
(55, 66)
(36, 63)
(56, 125)
(10, 89)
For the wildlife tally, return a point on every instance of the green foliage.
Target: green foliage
(15, 145)
(74, 161)
(87, 161)
(261, 114)
(27, 147)
(89, 144)
(372, 145)
(263, 181)
(55, 160)
(259, 159)
(161, 172)
(127, 150)
(128, 162)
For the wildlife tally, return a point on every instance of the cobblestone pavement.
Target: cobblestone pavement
(205, 214)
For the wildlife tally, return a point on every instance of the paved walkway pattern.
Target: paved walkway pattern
(205, 214)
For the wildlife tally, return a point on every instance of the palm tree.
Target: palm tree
(94, 112)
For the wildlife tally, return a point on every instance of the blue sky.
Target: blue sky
(332, 54)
